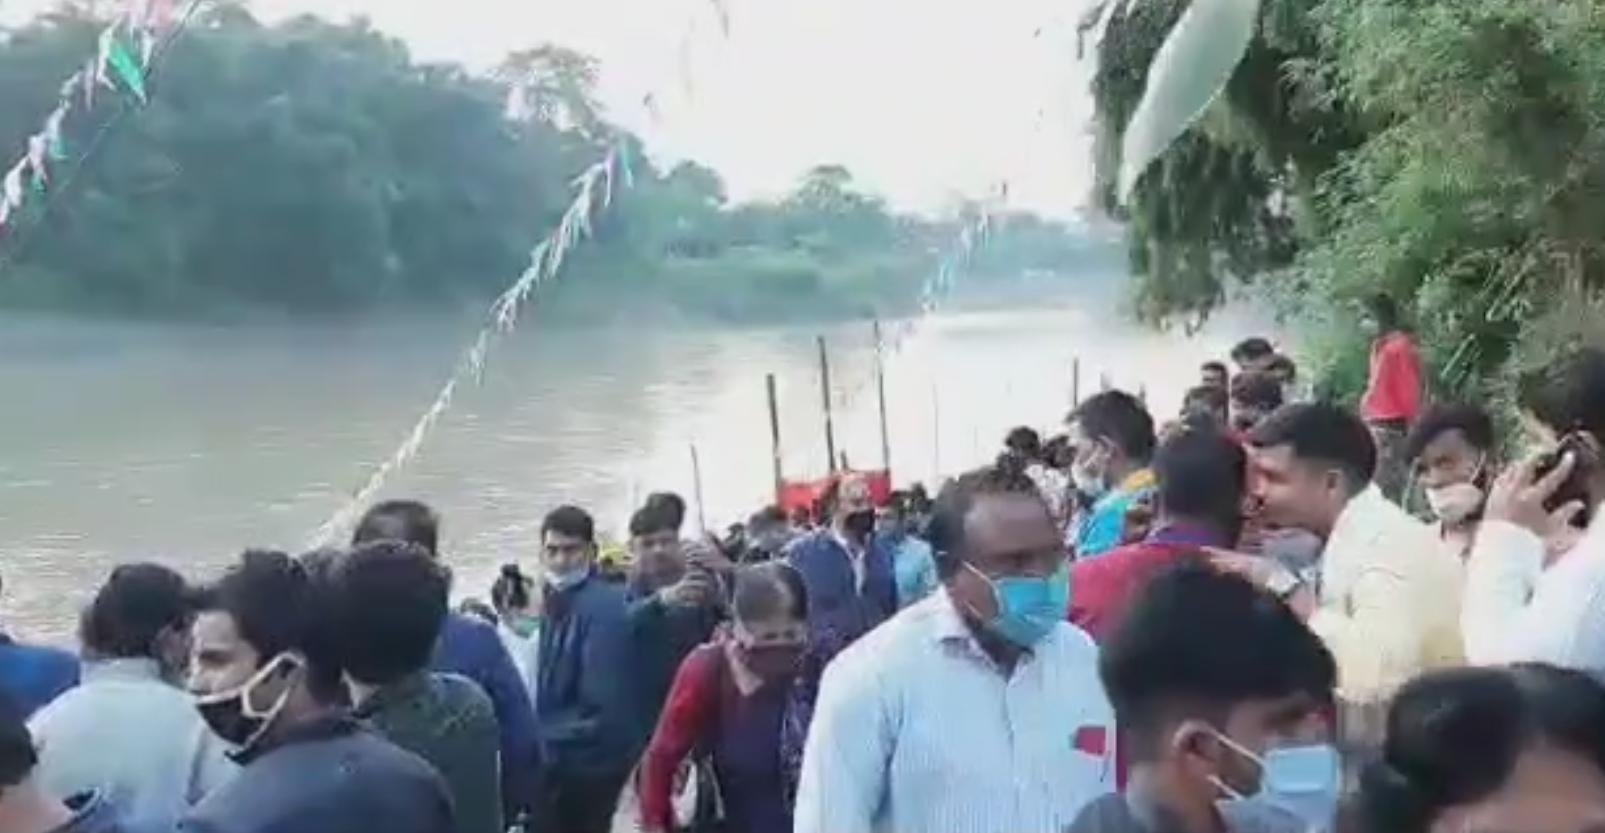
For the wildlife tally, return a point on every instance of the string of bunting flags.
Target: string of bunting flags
(594, 191)
(124, 52)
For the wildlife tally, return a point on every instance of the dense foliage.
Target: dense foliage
(315, 168)
(1450, 152)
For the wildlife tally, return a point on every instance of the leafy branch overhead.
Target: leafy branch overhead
(1450, 152)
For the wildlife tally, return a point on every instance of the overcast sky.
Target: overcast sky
(922, 99)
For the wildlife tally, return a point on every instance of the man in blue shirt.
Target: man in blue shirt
(33, 674)
(913, 565)
(1113, 435)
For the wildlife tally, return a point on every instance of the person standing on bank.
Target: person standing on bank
(1393, 392)
(852, 584)
(978, 709)
(1113, 435)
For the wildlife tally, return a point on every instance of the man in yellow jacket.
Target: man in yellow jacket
(1386, 594)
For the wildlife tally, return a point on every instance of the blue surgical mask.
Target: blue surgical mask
(564, 579)
(1298, 790)
(1029, 607)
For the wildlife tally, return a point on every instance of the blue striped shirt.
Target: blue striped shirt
(916, 730)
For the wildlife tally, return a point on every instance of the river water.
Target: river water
(185, 444)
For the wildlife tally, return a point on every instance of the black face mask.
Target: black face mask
(772, 662)
(859, 524)
(226, 718)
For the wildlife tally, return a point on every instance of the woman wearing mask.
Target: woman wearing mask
(1486, 749)
(1451, 449)
(518, 621)
(739, 710)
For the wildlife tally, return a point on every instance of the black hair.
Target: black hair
(136, 605)
(1324, 433)
(571, 521)
(1024, 441)
(1159, 666)
(1454, 737)
(1251, 349)
(400, 520)
(1208, 396)
(321, 561)
(1381, 307)
(1472, 421)
(759, 591)
(671, 504)
(652, 519)
(511, 589)
(18, 756)
(1201, 473)
(1280, 363)
(1213, 366)
(771, 514)
(1256, 389)
(277, 608)
(388, 601)
(945, 531)
(1568, 394)
(1119, 418)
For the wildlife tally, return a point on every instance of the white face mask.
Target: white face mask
(1455, 502)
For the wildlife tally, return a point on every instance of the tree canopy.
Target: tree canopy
(317, 168)
(1450, 153)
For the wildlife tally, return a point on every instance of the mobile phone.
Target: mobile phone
(1575, 486)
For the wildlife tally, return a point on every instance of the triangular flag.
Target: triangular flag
(11, 188)
(127, 69)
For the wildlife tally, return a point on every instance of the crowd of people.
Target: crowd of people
(1218, 623)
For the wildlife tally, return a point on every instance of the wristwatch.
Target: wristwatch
(1283, 584)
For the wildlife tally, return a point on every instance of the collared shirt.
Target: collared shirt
(917, 730)
(1105, 524)
(134, 738)
(1518, 611)
(1389, 598)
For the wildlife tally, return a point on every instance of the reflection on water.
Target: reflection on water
(185, 445)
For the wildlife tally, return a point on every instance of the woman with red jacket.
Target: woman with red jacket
(739, 710)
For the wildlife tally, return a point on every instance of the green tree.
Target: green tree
(1449, 153)
(311, 168)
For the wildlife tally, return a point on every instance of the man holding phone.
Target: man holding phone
(1519, 605)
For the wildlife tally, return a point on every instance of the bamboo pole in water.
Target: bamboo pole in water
(696, 488)
(880, 400)
(936, 434)
(772, 392)
(824, 403)
(1075, 381)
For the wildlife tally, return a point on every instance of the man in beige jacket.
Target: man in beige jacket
(1386, 596)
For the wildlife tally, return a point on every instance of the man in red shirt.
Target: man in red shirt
(1200, 479)
(1393, 392)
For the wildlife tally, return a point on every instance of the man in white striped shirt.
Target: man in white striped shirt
(1520, 604)
(978, 710)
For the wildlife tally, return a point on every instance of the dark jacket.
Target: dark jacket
(330, 775)
(471, 648)
(664, 636)
(448, 721)
(584, 701)
(839, 611)
(34, 675)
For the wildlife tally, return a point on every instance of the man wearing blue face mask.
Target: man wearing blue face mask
(1222, 696)
(585, 698)
(976, 709)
